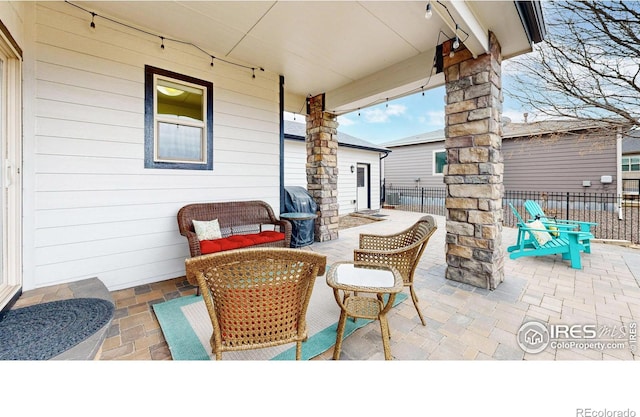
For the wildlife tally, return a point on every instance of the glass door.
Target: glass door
(3, 211)
(10, 175)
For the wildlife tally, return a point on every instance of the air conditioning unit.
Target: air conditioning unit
(393, 198)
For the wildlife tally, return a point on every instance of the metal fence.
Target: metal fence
(616, 218)
(631, 188)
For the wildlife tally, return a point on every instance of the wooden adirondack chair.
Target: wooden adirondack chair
(534, 239)
(536, 212)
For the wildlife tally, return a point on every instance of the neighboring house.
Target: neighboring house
(553, 156)
(631, 164)
(358, 168)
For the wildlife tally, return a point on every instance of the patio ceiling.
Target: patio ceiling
(355, 52)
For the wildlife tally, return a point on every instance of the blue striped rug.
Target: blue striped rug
(186, 327)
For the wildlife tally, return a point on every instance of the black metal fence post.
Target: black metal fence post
(616, 218)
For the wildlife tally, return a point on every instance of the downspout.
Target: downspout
(281, 144)
(382, 180)
(619, 170)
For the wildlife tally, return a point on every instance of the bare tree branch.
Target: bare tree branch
(589, 65)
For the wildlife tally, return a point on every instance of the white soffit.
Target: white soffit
(352, 51)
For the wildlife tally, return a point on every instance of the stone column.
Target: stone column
(473, 174)
(322, 167)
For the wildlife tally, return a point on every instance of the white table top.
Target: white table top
(350, 274)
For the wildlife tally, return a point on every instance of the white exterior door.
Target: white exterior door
(362, 194)
(10, 184)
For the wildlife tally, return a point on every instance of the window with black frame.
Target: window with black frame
(178, 121)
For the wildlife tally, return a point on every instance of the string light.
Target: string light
(419, 89)
(428, 12)
(92, 25)
(456, 39)
(456, 42)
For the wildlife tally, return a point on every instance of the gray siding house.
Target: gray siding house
(549, 156)
(631, 164)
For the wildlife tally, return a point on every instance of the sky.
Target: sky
(411, 115)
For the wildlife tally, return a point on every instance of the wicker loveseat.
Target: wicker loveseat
(242, 224)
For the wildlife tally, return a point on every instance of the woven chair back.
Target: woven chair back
(401, 250)
(256, 297)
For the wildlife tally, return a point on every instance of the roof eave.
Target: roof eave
(532, 19)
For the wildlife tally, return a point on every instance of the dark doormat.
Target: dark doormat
(42, 331)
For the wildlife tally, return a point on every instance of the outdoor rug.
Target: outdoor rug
(187, 329)
(42, 331)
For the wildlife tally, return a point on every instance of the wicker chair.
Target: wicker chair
(401, 250)
(257, 298)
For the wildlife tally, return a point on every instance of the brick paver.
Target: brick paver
(463, 322)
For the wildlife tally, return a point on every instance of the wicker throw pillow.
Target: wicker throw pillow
(541, 237)
(207, 230)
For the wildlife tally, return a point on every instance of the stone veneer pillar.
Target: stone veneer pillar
(322, 167)
(474, 170)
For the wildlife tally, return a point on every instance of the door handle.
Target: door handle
(7, 173)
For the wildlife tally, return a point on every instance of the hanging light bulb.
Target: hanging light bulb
(456, 42)
(428, 12)
(162, 44)
(93, 24)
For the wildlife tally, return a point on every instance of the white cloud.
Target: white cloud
(433, 118)
(345, 121)
(383, 115)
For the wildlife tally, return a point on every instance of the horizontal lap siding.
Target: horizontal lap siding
(347, 181)
(405, 164)
(560, 163)
(295, 166)
(97, 211)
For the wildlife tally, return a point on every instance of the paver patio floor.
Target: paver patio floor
(463, 322)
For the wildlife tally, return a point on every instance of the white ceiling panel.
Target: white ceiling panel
(325, 46)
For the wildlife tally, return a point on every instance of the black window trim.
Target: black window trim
(149, 127)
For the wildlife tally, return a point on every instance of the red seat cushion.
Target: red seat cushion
(239, 241)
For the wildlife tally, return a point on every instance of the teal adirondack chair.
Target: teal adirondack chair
(566, 243)
(536, 212)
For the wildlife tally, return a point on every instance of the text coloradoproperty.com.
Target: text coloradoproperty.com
(587, 345)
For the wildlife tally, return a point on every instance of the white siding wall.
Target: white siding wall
(347, 185)
(97, 211)
(295, 172)
(12, 15)
(295, 163)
